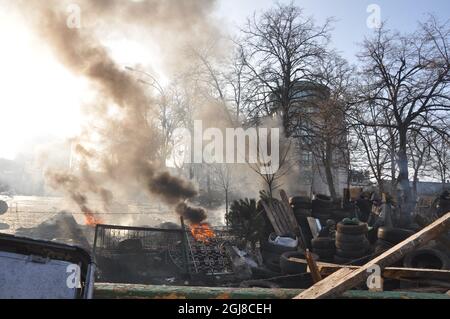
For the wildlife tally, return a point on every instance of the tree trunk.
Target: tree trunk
(329, 171)
(226, 202)
(403, 180)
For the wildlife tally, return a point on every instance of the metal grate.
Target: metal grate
(188, 254)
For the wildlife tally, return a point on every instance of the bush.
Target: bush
(245, 221)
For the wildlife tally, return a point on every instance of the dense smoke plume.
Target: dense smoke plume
(120, 146)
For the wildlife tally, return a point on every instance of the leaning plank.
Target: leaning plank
(327, 269)
(343, 279)
(291, 217)
(289, 213)
(280, 214)
(271, 218)
(423, 222)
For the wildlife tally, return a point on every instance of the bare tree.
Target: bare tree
(408, 77)
(322, 128)
(279, 49)
(440, 154)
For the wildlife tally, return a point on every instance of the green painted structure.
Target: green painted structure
(131, 291)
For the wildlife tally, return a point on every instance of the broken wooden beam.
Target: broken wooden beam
(343, 279)
(315, 273)
(327, 269)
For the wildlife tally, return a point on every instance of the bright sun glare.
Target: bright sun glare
(39, 97)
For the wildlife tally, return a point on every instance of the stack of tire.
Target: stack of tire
(271, 254)
(324, 248)
(301, 205)
(389, 237)
(351, 241)
(322, 207)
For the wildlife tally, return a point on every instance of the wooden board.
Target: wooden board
(327, 269)
(346, 278)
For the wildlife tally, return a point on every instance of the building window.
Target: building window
(306, 158)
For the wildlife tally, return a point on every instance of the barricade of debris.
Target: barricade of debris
(298, 246)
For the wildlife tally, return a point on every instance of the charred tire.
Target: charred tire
(290, 267)
(258, 284)
(325, 253)
(131, 244)
(323, 198)
(426, 258)
(382, 245)
(394, 235)
(346, 238)
(351, 254)
(359, 229)
(302, 212)
(339, 215)
(322, 243)
(300, 202)
(341, 260)
(353, 245)
(271, 261)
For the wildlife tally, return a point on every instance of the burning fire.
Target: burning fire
(202, 232)
(91, 219)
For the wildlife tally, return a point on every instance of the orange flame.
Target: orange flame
(91, 219)
(202, 232)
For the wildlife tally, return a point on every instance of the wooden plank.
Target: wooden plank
(423, 222)
(280, 215)
(289, 212)
(346, 278)
(291, 216)
(327, 269)
(273, 221)
(315, 274)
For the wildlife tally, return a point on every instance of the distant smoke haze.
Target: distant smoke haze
(123, 115)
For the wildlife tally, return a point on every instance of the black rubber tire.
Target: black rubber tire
(324, 253)
(346, 238)
(394, 235)
(290, 267)
(359, 229)
(299, 200)
(341, 260)
(258, 284)
(323, 198)
(352, 254)
(131, 244)
(339, 215)
(322, 243)
(271, 260)
(353, 245)
(302, 212)
(427, 258)
(383, 243)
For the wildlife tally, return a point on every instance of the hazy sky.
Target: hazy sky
(351, 15)
(39, 97)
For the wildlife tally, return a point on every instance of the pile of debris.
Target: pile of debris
(347, 245)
